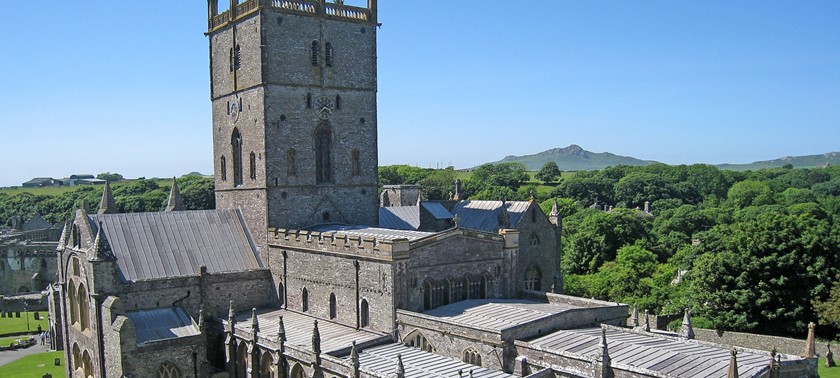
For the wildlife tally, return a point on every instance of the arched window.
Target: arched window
(447, 291)
(332, 306)
(364, 314)
(84, 315)
(297, 372)
(266, 366)
(416, 339)
(253, 165)
(74, 304)
(168, 370)
(473, 287)
(532, 278)
(356, 162)
(309, 100)
(223, 167)
(77, 359)
(428, 287)
(236, 153)
(323, 154)
(304, 299)
(328, 54)
(535, 239)
(337, 102)
(313, 53)
(87, 365)
(486, 280)
(472, 356)
(291, 167)
(281, 294)
(237, 58)
(242, 360)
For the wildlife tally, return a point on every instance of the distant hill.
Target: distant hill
(574, 158)
(809, 161)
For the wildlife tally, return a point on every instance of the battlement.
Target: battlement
(319, 8)
(339, 242)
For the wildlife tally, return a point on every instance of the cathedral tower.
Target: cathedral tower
(293, 86)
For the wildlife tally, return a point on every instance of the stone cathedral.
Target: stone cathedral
(307, 269)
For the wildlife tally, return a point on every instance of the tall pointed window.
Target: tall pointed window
(236, 152)
(364, 314)
(356, 168)
(304, 298)
(333, 308)
(328, 54)
(314, 53)
(223, 168)
(237, 58)
(323, 154)
(253, 166)
(291, 167)
(532, 278)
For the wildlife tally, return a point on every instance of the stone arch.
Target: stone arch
(472, 356)
(73, 303)
(236, 154)
(297, 371)
(323, 153)
(533, 277)
(473, 287)
(87, 365)
(75, 266)
(267, 366)
(486, 284)
(364, 314)
(168, 370)
(428, 294)
(333, 309)
(242, 360)
(84, 307)
(77, 359)
(447, 291)
(417, 339)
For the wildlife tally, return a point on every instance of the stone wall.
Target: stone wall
(784, 345)
(26, 266)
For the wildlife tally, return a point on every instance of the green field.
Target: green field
(828, 372)
(59, 190)
(14, 325)
(35, 365)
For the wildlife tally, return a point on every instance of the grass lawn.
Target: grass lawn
(828, 372)
(12, 325)
(35, 365)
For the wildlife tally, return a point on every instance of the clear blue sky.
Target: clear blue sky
(122, 86)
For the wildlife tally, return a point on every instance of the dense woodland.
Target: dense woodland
(749, 251)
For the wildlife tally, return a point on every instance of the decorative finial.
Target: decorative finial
(647, 322)
(604, 360)
(231, 314)
(354, 358)
(687, 331)
(733, 364)
(316, 340)
(101, 250)
(810, 342)
(255, 324)
(634, 320)
(400, 373)
(107, 205)
(175, 203)
(281, 330)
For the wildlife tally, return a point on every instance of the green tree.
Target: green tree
(549, 172)
(749, 193)
(110, 177)
(829, 309)
(509, 175)
(594, 237)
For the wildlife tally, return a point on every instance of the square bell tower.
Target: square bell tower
(293, 88)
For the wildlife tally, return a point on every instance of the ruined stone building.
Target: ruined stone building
(304, 270)
(27, 256)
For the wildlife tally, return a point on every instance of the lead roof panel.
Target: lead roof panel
(175, 244)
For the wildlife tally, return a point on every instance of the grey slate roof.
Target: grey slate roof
(437, 210)
(298, 327)
(371, 232)
(175, 244)
(382, 359)
(161, 324)
(496, 314)
(678, 358)
(400, 217)
(484, 215)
